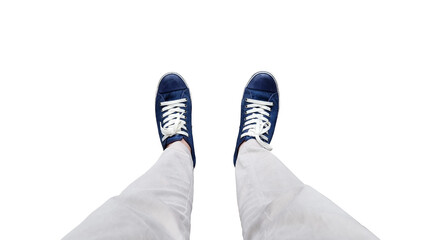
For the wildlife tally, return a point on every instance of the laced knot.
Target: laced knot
(173, 115)
(257, 122)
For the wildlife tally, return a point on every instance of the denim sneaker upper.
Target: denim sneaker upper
(259, 110)
(173, 111)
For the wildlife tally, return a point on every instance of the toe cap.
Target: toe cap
(171, 82)
(263, 81)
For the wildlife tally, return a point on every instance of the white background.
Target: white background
(359, 118)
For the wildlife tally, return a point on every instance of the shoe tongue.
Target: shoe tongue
(175, 95)
(260, 95)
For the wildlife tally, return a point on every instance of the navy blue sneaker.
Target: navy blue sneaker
(259, 110)
(173, 111)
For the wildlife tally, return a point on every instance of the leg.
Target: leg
(275, 204)
(158, 204)
(155, 206)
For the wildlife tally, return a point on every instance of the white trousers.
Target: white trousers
(273, 203)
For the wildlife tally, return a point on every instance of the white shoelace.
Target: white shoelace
(173, 118)
(257, 122)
